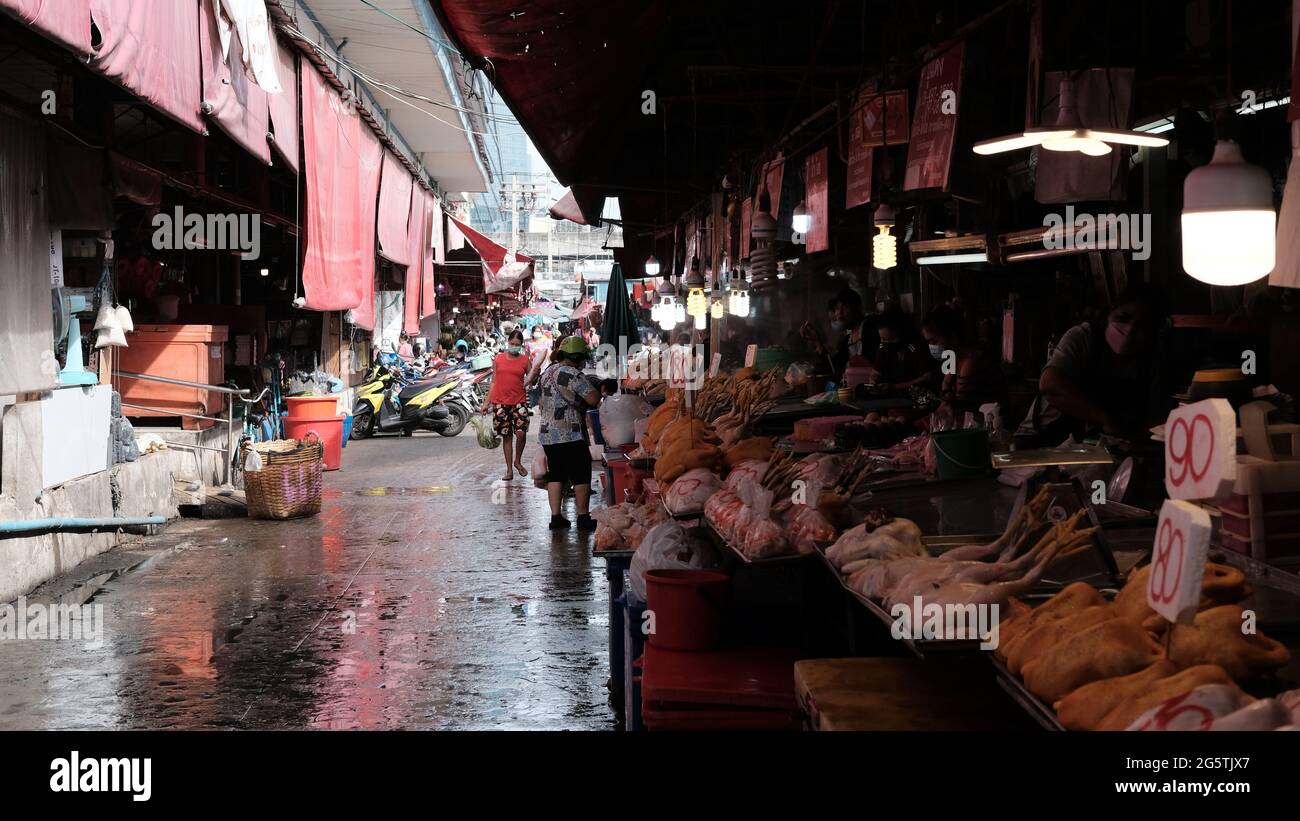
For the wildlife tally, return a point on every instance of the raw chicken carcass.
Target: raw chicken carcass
(895, 539)
(1115, 647)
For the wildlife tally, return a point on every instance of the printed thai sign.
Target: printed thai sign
(884, 119)
(929, 154)
(857, 189)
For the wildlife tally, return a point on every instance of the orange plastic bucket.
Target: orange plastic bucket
(313, 407)
(330, 431)
(688, 607)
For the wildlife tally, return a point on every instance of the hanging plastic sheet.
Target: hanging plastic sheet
(429, 253)
(417, 236)
(257, 53)
(284, 106)
(152, 50)
(395, 211)
(64, 21)
(230, 97)
(502, 269)
(26, 360)
(342, 160)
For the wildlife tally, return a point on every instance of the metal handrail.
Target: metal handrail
(238, 393)
(185, 383)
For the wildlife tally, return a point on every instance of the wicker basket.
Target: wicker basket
(289, 484)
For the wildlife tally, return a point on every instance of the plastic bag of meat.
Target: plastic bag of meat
(721, 510)
(757, 536)
(751, 470)
(808, 526)
(691, 490)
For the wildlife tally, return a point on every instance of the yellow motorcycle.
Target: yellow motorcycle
(386, 404)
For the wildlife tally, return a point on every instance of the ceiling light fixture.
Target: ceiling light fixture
(1229, 226)
(1069, 133)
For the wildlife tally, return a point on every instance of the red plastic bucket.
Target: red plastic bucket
(313, 407)
(330, 431)
(688, 607)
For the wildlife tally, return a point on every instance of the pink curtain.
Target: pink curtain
(230, 97)
(342, 160)
(416, 237)
(395, 212)
(428, 288)
(64, 21)
(152, 50)
(284, 106)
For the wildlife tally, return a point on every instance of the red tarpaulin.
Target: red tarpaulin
(432, 234)
(585, 309)
(439, 238)
(502, 270)
(152, 50)
(395, 211)
(342, 178)
(284, 106)
(64, 21)
(230, 97)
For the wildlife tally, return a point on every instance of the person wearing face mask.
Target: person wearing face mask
(974, 377)
(1099, 378)
(900, 362)
(509, 403)
(853, 333)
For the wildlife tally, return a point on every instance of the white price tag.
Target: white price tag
(751, 356)
(713, 368)
(1201, 450)
(1178, 560)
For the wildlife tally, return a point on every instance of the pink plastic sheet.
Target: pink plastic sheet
(342, 160)
(152, 50)
(230, 97)
(284, 106)
(417, 237)
(64, 21)
(502, 271)
(395, 211)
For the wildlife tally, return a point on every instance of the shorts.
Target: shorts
(510, 419)
(568, 462)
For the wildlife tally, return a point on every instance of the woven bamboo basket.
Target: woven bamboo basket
(289, 484)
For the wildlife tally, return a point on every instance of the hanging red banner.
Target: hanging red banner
(815, 200)
(934, 127)
(746, 219)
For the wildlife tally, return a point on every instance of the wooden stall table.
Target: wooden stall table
(902, 694)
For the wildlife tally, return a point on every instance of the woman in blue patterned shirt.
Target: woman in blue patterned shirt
(565, 397)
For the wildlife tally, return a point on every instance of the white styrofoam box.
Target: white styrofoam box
(74, 425)
(1178, 560)
(1201, 450)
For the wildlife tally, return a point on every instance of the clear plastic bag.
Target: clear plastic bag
(487, 437)
(666, 546)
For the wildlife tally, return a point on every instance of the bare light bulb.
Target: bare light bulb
(884, 249)
(802, 220)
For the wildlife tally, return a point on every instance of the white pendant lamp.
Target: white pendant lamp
(1068, 133)
(717, 302)
(1229, 226)
(802, 220)
(697, 304)
(884, 246)
(651, 266)
(738, 294)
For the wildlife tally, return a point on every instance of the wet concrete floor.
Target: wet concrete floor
(426, 595)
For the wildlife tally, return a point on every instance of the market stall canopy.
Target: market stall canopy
(502, 269)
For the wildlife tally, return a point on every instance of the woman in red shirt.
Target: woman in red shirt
(510, 403)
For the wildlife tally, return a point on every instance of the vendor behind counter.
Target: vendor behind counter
(1101, 378)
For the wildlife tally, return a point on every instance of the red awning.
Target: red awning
(152, 50)
(284, 106)
(502, 270)
(65, 21)
(585, 309)
(566, 208)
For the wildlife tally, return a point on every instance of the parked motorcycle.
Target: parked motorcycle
(386, 402)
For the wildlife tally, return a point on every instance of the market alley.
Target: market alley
(413, 601)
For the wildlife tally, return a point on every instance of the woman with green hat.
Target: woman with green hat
(565, 397)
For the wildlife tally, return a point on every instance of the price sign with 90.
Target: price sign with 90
(1201, 450)
(1178, 560)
